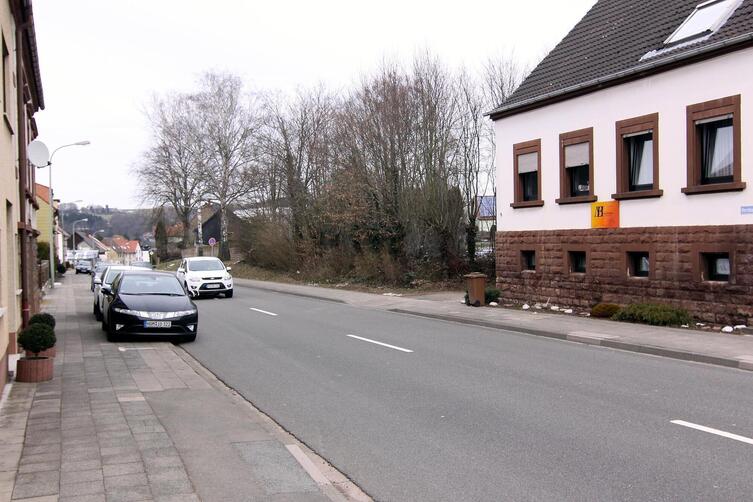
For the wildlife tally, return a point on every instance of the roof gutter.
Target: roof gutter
(663, 64)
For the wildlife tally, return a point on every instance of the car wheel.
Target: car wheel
(229, 294)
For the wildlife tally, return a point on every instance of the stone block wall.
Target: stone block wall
(675, 262)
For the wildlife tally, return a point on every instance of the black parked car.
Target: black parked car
(145, 303)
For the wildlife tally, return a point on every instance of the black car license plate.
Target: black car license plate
(158, 324)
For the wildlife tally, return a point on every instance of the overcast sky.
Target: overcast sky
(101, 60)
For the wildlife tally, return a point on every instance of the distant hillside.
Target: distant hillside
(106, 221)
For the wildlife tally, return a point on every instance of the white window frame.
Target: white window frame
(712, 29)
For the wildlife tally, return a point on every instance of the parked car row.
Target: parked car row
(137, 302)
(134, 300)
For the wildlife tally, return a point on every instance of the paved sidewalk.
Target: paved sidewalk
(734, 351)
(144, 421)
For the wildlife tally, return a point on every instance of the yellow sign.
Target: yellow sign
(605, 214)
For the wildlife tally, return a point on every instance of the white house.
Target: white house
(623, 161)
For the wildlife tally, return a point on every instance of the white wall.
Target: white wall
(668, 94)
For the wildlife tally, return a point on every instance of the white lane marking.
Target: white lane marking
(380, 343)
(307, 464)
(703, 428)
(264, 312)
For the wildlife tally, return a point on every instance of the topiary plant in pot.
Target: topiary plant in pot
(35, 338)
(47, 320)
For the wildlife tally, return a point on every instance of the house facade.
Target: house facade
(623, 162)
(20, 98)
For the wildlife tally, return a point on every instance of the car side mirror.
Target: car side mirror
(97, 280)
(180, 270)
(107, 290)
(228, 268)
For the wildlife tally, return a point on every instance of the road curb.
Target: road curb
(609, 343)
(240, 282)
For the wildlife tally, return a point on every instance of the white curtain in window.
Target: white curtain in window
(577, 155)
(718, 145)
(528, 162)
(722, 266)
(641, 161)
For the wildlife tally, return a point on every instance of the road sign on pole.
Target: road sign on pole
(212, 242)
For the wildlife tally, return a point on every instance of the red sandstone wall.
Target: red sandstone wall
(674, 261)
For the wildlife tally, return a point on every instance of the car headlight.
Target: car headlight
(227, 277)
(194, 279)
(155, 315)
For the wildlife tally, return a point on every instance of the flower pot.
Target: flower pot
(36, 369)
(51, 352)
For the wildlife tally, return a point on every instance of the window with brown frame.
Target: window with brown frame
(527, 174)
(637, 145)
(528, 260)
(577, 262)
(6, 75)
(715, 267)
(714, 147)
(577, 167)
(638, 264)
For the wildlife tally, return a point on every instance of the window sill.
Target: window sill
(734, 186)
(577, 200)
(527, 271)
(640, 194)
(8, 123)
(527, 203)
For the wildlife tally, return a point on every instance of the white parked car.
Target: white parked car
(105, 278)
(205, 276)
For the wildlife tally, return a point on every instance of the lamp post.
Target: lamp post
(40, 165)
(73, 230)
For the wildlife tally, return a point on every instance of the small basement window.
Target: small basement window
(715, 267)
(528, 260)
(707, 17)
(577, 261)
(638, 264)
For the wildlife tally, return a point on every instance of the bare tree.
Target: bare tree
(170, 171)
(295, 143)
(228, 122)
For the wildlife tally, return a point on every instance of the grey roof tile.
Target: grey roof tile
(612, 38)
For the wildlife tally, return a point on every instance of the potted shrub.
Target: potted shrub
(35, 338)
(48, 320)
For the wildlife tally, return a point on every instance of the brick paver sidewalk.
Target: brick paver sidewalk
(91, 433)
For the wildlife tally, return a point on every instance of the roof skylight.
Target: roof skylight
(707, 17)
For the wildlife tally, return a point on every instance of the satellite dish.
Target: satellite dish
(38, 153)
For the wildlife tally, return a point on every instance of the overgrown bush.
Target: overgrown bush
(43, 250)
(491, 294)
(604, 310)
(37, 337)
(654, 314)
(43, 318)
(61, 269)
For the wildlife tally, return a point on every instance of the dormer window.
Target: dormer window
(707, 17)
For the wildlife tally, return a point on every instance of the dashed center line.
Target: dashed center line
(710, 430)
(264, 312)
(380, 343)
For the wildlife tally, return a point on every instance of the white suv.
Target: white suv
(205, 276)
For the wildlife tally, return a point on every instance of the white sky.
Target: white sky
(101, 60)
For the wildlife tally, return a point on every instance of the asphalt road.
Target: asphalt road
(479, 414)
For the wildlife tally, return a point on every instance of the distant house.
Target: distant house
(487, 213)
(47, 219)
(211, 229)
(128, 251)
(623, 161)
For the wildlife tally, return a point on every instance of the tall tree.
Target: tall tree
(171, 169)
(228, 123)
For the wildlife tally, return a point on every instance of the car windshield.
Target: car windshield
(205, 265)
(141, 264)
(157, 284)
(111, 274)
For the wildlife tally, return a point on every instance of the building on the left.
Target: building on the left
(20, 98)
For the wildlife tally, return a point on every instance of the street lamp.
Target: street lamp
(74, 231)
(37, 152)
